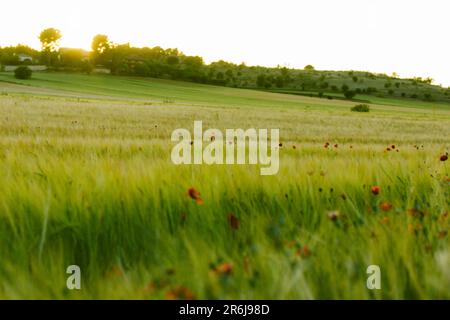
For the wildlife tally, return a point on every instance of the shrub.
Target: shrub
(371, 90)
(361, 108)
(428, 96)
(349, 94)
(141, 69)
(261, 80)
(86, 67)
(23, 72)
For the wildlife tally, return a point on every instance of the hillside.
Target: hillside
(172, 64)
(170, 92)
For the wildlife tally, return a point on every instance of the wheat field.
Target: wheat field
(86, 179)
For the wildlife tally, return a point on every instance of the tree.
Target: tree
(72, 58)
(349, 94)
(50, 42)
(86, 67)
(118, 55)
(219, 75)
(279, 81)
(344, 88)
(23, 72)
(324, 85)
(309, 68)
(172, 60)
(100, 43)
(261, 81)
(101, 49)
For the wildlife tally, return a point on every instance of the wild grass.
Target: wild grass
(90, 182)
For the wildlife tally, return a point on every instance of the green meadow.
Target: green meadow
(86, 179)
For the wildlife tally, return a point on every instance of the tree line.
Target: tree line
(123, 59)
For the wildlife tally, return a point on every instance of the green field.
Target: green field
(86, 179)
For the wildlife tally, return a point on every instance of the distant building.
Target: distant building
(25, 57)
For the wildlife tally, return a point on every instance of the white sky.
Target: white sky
(410, 37)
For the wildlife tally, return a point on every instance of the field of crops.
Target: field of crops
(86, 179)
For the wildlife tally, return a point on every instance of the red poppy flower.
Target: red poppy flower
(195, 195)
(444, 157)
(333, 215)
(375, 190)
(414, 228)
(413, 212)
(233, 221)
(224, 269)
(291, 243)
(442, 234)
(386, 206)
(385, 220)
(180, 293)
(303, 252)
(115, 272)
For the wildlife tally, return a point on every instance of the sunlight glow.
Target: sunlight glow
(409, 37)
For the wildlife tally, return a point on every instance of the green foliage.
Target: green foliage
(261, 81)
(122, 59)
(23, 72)
(10, 55)
(72, 58)
(349, 94)
(50, 43)
(173, 60)
(101, 50)
(360, 108)
(427, 96)
(86, 67)
(49, 39)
